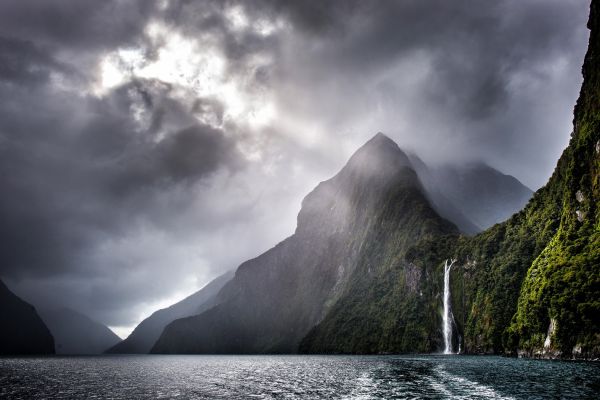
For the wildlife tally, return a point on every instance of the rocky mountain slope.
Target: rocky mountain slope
(363, 272)
(74, 333)
(147, 332)
(528, 286)
(355, 226)
(352, 278)
(22, 331)
(532, 284)
(559, 305)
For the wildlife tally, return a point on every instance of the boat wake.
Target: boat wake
(455, 387)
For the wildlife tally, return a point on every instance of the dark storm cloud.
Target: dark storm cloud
(471, 63)
(21, 62)
(69, 181)
(83, 24)
(475, 46)
(311, 16)
(77, 171)
(117, 199)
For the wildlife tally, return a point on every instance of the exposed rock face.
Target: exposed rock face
(551, 329)
(353, 227)
(148, 331)
(22, 331)
(74, 333)
(413, 278)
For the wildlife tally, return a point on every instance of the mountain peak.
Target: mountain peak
(351, 228)
(376, 167)
(377, 156)
(381, 136)
(381, 140)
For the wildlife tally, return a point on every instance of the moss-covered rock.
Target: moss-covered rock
(538, 270)
(563, 283)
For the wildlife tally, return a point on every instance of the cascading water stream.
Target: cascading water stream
(447, 311)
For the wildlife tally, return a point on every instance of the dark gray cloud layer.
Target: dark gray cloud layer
(84, 25)
(119, 197)
(490, 76)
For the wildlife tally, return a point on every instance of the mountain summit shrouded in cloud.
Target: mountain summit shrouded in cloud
(147, 147)
(352, 240)
(357, 224)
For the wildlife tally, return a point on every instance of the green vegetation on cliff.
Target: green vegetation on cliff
(543, 264)
(394, 311)
(363, 273)
(529, 285)
(563, 283)
(495, 263)
(352, 234)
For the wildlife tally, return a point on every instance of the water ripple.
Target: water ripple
(295, 377)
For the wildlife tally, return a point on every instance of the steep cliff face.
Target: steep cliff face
(22, 331)
(531, 285)
(357, 224)
(395, 309)
(559, 305)
(493, 265)
(363, 271)
(526, 286)
(148, 331)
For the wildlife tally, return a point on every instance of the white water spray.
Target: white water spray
(447, 311)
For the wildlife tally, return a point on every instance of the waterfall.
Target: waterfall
(447, 311)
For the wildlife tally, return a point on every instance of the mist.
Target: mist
(148, 147)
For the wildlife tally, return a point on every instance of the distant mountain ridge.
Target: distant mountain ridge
(337, 234)
(75, 333)
(486, 195)
(22, 331)
(474, 196)
(147, 332)
(363, 272)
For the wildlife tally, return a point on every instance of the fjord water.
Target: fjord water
(303, 377)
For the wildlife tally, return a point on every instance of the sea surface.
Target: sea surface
(296, 377)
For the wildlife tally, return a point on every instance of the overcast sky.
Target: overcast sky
(146, 147)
